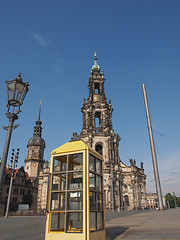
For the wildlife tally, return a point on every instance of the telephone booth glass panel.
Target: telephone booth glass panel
(74, 222)
(66, 203)
(59, 164)
(95, 194)
(75, 162)
(75, 180)
(58, 201)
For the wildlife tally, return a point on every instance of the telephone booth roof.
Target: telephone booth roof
(74, 146)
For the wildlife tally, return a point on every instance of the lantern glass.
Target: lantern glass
(16, 92)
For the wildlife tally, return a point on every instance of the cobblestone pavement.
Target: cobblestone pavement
(33, 227)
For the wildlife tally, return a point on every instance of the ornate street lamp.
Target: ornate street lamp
(16, 92)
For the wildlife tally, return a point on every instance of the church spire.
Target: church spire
(95, 67)
(38, 128)
(95, 59)
(39, 117)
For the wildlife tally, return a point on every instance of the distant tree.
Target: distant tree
(170, 198)
(178, 201)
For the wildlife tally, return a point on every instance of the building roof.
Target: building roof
(95, 67)
(73, 146)
(9, 171)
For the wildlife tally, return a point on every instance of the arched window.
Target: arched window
(96, 88)
(97, 121)
(126, 199)
(99, 148)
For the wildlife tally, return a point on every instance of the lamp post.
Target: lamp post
(14, 160)
(16, 92)
(155, 165)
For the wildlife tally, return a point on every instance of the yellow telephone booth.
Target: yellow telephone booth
(75, 197)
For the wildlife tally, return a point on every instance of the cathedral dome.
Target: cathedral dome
(36, 141)
(95, 67)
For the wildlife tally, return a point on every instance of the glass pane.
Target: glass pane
(92, 221)
(99, 201)
(19, 87)
(75, 201)
(59, 164)
(10, 95)
(75, 180)
(57, 201)
(92, 200)
(18, 96)
(74, 222)
(57, 222)
(92, 181)
(91, 163)
(58, 181)
(98, 183)
(18, 91)
(99, 166)
(11, 86)
(75, 162)
(99, 220)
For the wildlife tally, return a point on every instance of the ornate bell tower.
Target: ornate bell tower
(98, 133)
(36, 145)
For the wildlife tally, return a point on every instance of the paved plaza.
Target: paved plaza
(149, 225)
(123, 225)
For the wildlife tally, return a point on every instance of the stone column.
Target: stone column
(115, 152)
(39, 197)
(134, 206)
(93, 120)
(137, 193)
(110, 120)
(84, 120)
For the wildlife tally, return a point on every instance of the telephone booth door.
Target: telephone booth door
(75, 195)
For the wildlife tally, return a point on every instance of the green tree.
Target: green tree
(170, 198)
(178, 201)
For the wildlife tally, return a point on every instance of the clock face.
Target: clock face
(34, 164)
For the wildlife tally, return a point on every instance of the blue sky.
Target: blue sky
(52, 43)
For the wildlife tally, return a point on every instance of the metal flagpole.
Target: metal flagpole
(155, 166)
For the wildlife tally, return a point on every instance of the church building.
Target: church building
(34, 162)
(124, 186)
(98, 133)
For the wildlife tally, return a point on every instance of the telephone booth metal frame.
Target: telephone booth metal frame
(75, 206)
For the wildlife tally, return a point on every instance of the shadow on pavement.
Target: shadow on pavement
(113, 232)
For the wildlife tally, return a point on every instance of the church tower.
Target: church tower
(36, 145)
(98, 133)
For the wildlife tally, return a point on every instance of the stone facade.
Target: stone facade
(151, 201)
(43, 180)
(22, 189)
(97, 132)
(133, 186)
